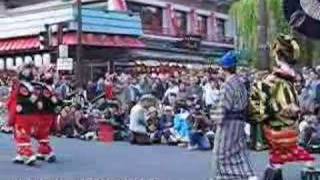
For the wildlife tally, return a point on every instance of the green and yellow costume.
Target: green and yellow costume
(274, 106)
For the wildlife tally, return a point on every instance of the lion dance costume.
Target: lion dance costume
(47, 105)
(278, 110)
(31, 116)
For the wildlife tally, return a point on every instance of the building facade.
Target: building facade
(158, 31)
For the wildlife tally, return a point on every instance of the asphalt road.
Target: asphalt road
(119, 161)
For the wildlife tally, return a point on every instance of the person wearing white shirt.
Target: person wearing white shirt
(138, 120)
(210, 94)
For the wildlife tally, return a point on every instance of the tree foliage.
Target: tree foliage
(245, 14)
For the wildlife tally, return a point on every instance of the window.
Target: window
(2, 65)
(28, 59)
(19, 61)
(10, 63)
(202, 22)
(46, 59)
(38, 60)
(181, 22)
(151, 16)
(19, 3)
(221, 31)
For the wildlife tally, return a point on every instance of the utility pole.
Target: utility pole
(263, 49)
(78, 68)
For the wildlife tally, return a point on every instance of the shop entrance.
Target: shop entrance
(97, 70)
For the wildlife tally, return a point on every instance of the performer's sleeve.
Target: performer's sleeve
(226, 98)
(11, 105)
(223, 104)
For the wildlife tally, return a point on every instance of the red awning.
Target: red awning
(32, 43)
(19, 44)
(104, 40)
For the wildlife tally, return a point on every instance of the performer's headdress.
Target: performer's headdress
(285, 48)
(285, 51)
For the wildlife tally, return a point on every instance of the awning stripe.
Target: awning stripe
(30, 43)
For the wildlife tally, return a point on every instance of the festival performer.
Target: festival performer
(22, 109)
(12, 103)
(279, 110)
(230, 159)
(46, 115)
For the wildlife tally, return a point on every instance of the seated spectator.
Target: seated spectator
(138, 120)
(198, 137)
(182, 127)
(90, 122)
(310, 130)
(153, 125)
(84, 124)
(166, 126)
(65, 122)
(115, 118)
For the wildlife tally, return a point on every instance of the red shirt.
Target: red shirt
(109, 91)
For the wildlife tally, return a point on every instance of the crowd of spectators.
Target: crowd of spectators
(173, 109)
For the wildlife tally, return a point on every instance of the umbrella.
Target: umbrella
(304, 16)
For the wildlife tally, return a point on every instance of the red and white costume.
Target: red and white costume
(23, 119)
(45, 118)
(31, 113)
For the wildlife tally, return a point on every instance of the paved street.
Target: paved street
(79, 159)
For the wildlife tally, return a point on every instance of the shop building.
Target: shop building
(166, 32)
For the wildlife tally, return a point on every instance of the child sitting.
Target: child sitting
(65, 122)
(198, 137)
(115, 117)
(166, 126)
(181, 124)
(310, 130)
(153, 125)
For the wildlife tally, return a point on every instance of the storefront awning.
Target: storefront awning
(104, 40)
(33, 43)
(19, 44)
(167, 56)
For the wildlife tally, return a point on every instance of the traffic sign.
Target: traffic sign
(65, 64)
(63, 51)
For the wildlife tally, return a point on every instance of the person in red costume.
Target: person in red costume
(12, 103)
(46, 115)
(22, 115)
